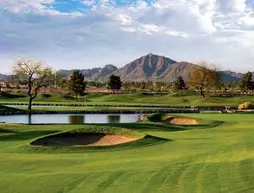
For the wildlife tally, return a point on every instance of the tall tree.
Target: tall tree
(114, 83)
(246, 81)
(179, 84)
(63, 84)
(204, 77)
(77, 84)
(34, 73)
(57, 78)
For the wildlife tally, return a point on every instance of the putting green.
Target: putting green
(217, 155)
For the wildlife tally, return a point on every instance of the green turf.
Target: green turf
(134, 99)
(82, 108)
(205, 158)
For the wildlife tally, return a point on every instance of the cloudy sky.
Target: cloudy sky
(91, 33)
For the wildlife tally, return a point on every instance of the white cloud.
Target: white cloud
(39, 7)
(177, 33)
(150, 28)
(124, 19)
(128, 29)
(232, 6)
(187, 15)
(25, 5)
(191, 30)
(89, 2)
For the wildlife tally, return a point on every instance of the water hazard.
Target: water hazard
(69, 118)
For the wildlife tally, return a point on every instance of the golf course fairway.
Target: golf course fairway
(215, 155)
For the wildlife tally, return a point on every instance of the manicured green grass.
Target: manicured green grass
(89, 108)
(135, 99)
(204, 158)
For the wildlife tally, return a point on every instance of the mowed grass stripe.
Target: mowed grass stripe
(200, 159)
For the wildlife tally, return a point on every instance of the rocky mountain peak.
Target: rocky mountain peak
(150, 67)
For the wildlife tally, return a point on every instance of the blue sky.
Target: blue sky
(91, 33)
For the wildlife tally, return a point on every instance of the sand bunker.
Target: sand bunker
(82, 139)
(183, 121)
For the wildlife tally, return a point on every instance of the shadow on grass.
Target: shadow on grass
(157, 126)
(212, 124)
(6, 131)
(24, 135)
(9, 109)
(146, 126)
(7, 95)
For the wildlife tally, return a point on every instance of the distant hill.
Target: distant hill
(94, 74)
(229, 76)
(104, 72)
(4, 76)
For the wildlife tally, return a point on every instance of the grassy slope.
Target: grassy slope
(137, 98)
(219, 159)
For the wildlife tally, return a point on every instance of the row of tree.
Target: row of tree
(77, 84)
(35, 75)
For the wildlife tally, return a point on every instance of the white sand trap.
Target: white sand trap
(82, 139)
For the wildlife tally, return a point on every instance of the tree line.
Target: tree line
(202, 78)
(36, 75)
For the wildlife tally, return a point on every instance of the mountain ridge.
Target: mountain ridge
(150, 67)
(154, 68)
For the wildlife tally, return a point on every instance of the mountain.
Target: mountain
(88, 73)
(229, 76)
(153, 67)
(104, 72)
(149, 67)
(4, 76)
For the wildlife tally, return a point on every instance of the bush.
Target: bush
(46, 95)
(246, 105)
(69, 96)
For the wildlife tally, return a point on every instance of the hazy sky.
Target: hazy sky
(71, 34)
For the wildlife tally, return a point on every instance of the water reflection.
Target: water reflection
(76, 119)
(69, 118)
(29, 119)
(113, 118)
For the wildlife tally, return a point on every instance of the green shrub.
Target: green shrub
(69, 96)
(45, 95)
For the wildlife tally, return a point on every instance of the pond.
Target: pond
(69, 118)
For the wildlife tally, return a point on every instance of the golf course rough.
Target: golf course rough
(206, 157)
